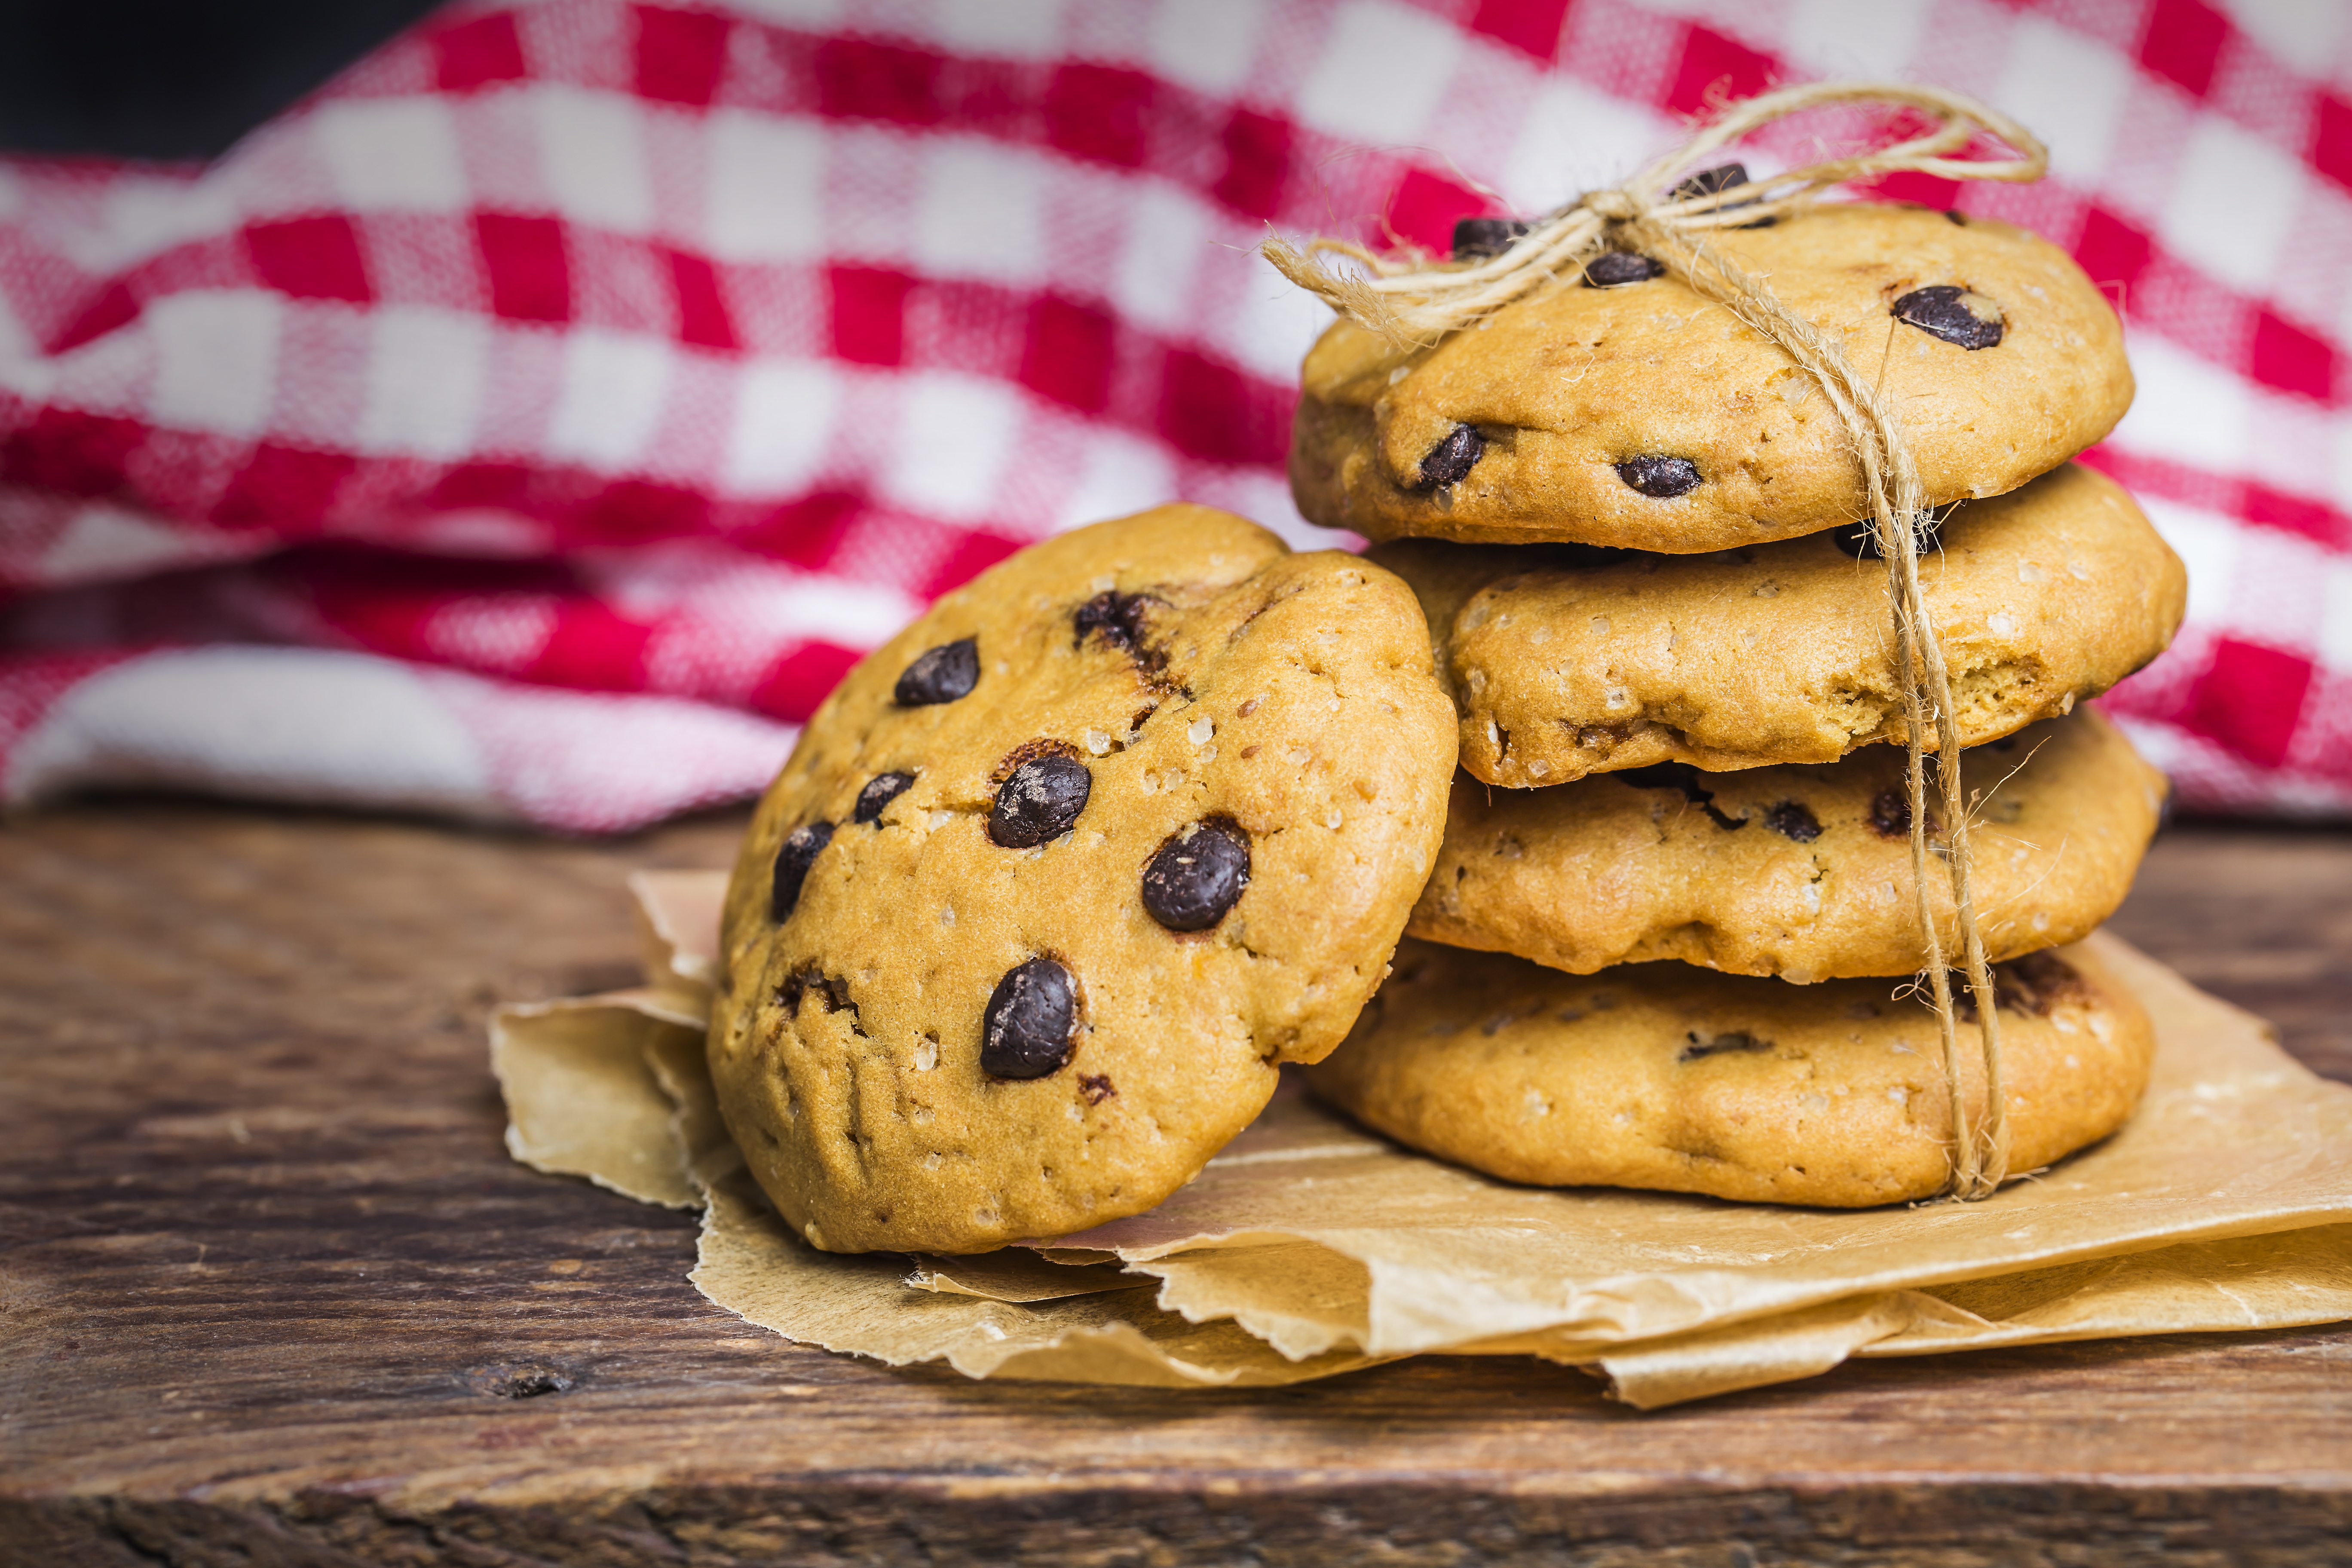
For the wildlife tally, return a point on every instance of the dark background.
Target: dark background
(172, 78)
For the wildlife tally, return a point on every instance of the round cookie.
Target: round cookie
(1780, 653)
(1799, 871)
(1059, 875)
(1640, 414)
(1666, 1076)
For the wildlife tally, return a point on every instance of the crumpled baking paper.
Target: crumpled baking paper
(1310, 1246)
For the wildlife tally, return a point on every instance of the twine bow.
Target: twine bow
(1662, 213)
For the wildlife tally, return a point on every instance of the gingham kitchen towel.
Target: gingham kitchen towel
(536, 422)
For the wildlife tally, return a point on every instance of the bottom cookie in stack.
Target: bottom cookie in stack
(1576, 1050)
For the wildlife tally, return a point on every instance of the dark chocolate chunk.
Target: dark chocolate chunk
(1616, 269)
(1097, 1086)
(1890, 814)
(1029, 1029)
(1794, 819)
(2031, 985)
(1039, 801)
(832, 994)
(1707, 182)
(1716, 1045)
(1452, 459)
(1722, 177)
(1659, 476)
(940, 674)
(1122, 620)
(1682, 777)
(1954, 314)
(1197, 875)
(798, 853)
(879, 792)
(1477, 238)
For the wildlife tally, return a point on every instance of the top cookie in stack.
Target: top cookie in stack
(1627, 410)
(1632, 521)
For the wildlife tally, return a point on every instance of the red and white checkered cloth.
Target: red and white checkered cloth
(537, 421)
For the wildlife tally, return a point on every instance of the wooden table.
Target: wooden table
(275, 1294)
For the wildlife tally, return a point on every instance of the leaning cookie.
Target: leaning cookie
(1666, 1076)
(1057, 877)
(1780, 653)
(1624, 409)
(1802, 872)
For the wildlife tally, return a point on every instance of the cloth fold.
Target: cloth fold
(582, 366)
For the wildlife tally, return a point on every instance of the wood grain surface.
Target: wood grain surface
(274, 1293)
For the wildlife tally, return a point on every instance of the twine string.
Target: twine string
(1414, 302)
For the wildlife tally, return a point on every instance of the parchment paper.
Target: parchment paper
(1310, 1246)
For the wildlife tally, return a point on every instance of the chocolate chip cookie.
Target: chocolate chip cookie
(1799, 871)
(1566, 661)
(1666, 1076)
(1620, 408)
(1059, 874)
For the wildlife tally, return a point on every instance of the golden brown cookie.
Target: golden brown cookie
(1642, 416)
(1666, 1076)
(1780, 653)
(1059, 874)
(1800, 871)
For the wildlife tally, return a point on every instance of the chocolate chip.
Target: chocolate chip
(1122, 621)
(1953, 315)
(1097, 1086)
(1029, 1028)
(879, 792)
(1722, 177)
(1957, 219)
(1890, 814)
(1707, 182)
(1616, 269)
(1477, 238)
(1451, 459)
(1039, 801)
(1734, 1040)
(1794, 819)
(1197, 875)
(2031, 985)
(832, 994)
(940, 674)
(798, 853)
(1659, 476)
(1685, 778)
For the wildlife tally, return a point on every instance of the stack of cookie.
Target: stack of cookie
(1630, 521)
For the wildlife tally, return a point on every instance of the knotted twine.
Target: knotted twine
(1414, 302)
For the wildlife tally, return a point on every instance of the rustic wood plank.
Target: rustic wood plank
(273, 1292)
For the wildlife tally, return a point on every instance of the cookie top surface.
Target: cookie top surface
(1059, 875)
(1780, 653)
(1669, 1077)
(1646, 417)
(1799, 871)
